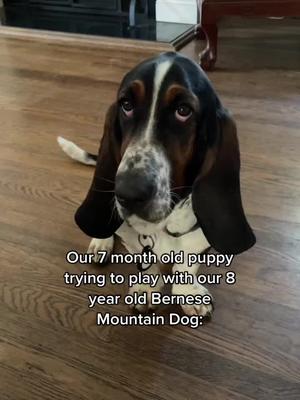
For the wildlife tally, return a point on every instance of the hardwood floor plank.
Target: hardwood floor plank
(50, 345)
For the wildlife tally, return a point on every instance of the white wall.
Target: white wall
(180, 11)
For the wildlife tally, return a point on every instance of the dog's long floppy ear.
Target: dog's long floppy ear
(216, 196)
(96, 216)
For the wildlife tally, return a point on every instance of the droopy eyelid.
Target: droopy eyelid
(135, 92)
(182, 100)
(124, 96)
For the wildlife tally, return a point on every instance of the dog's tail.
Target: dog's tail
(75, 152)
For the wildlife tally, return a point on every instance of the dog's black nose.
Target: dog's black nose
(134, 190)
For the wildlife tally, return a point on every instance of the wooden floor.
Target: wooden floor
(50, 347)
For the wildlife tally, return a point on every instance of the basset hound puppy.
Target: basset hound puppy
(167, 172)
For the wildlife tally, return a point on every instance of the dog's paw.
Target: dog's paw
(194, 309)
(142, 288)
(98, 246)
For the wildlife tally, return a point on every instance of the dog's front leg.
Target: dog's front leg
(192, 289)
(193, 242)
(140, 288)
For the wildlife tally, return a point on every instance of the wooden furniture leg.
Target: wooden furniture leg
(214, 10)
(208, 56)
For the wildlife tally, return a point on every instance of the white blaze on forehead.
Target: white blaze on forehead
(160, 73)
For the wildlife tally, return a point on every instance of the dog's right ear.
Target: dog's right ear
(216, 196)
(96, 216)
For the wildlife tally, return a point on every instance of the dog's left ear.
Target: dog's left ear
(96, 216)
(216, 195)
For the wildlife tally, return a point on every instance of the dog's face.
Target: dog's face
(159, 113)
(166, 135)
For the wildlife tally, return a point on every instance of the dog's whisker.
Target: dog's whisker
(181, 187)
(103, 191)
(114, 211)
(175, 195)
(172, 201)
(105, 179)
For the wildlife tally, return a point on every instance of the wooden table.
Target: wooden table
(214, 10)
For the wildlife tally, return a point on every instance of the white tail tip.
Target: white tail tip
(74, 151)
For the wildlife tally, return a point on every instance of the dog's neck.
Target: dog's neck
(179, 222)
(143, 227)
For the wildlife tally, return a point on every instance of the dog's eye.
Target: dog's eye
(183, 112)
(127, 107)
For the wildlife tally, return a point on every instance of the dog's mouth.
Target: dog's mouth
(154, 212)
(152, 217)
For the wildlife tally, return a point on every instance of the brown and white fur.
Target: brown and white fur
(168, 166)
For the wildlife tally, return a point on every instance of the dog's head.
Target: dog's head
(165, 136)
